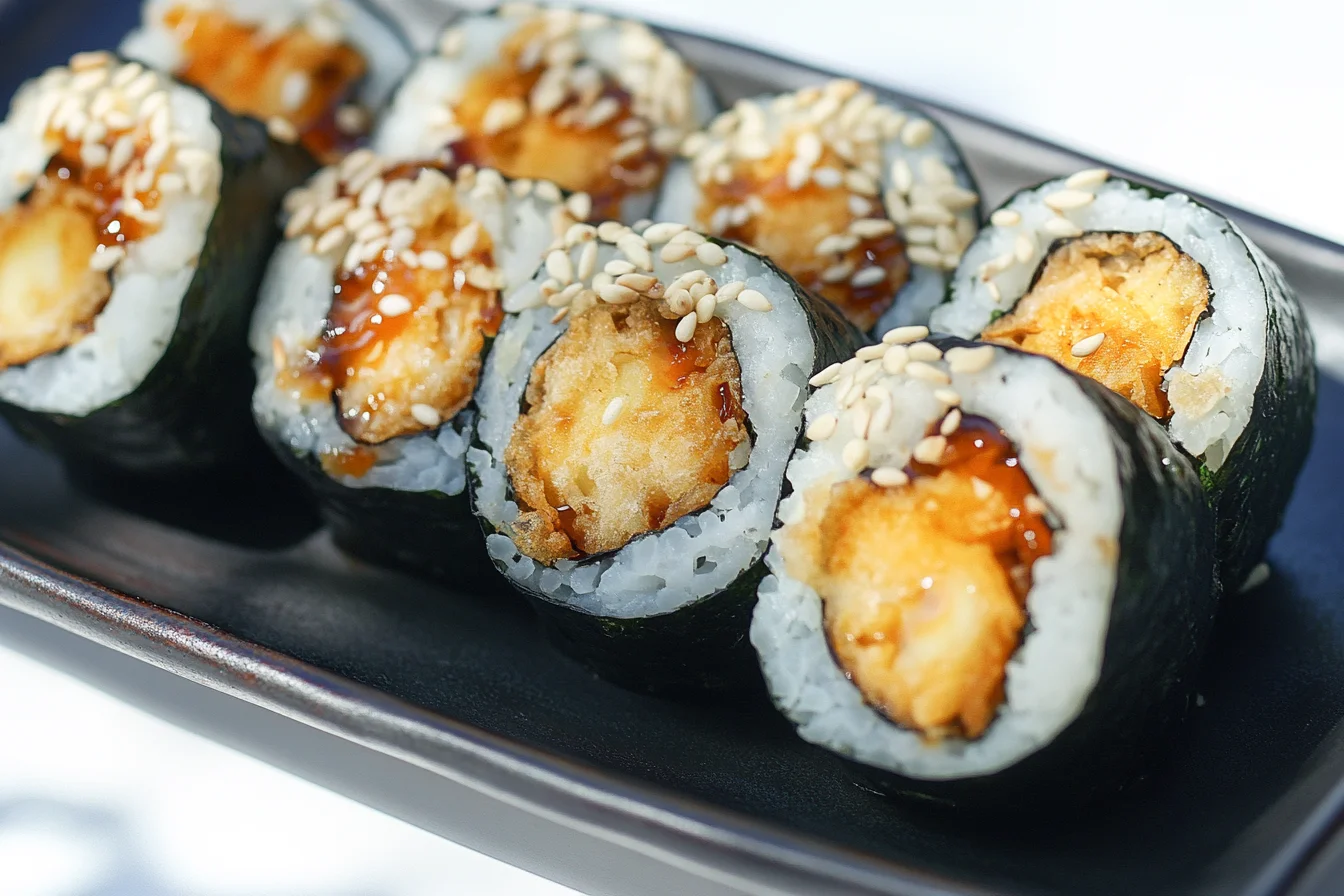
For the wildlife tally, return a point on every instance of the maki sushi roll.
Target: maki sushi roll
(135, 217)
(374, 318)
(864, 202)
(592, 103)
(994, 579)
(1168, 304)
(636, 415)
(314, 70)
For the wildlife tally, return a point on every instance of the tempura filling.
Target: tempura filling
(625, 430)
(570, 123)
(924, 585)
(57, 248)
(806, 229)
(1119, 308)
(295, 75)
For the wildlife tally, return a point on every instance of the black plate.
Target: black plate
(573, 777)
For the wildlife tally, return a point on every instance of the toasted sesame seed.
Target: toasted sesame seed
(587, 261)
(949, 397)
(871, 228)
(729, 292)
(753, 300)
(711, 254)
(827, 178)
(662, 232)
(981, 488)
(870, 352)
(922, 370)
(1067, 200)
(956, 198)
(997, 265)
(331, 239)
(945, 240)
(704, 309)
(859, 418)
(869, 276)
(1034, 504)
(860, 182)
(465, 240)
(635, 249)
(560, 267)
(580, 205)
(930, 214)
(1087, 178)
(433, 260)
(640, 283)
(1084, 347)
(917, 132)
(935, 171)
(822, 428)
(1024, 248)
(903, 335)
(921, 235)
(393, 305)
(855, 454)
(969, 360)
(105, 258)
(1005, 217)
(1259, 575)
(826, 376)
(425, 415)
(890, 477)
(902, 175)
(602, 111)
(502, 114)
(686, 328)
(930, 449)
(679, 301)
(835, 244)
(925, 351)
(1061, 227)
(409, 258)
(580, 233)
(616, 294)
(282, 129)
(895, 359)
(950, 422)
(671, 253)
(485, 277)
(560, 315)
(613, 411)
(838, 272)
(860, 206)
(401, 239)
(993, 289)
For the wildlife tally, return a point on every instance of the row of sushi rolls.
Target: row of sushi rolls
(726, 392)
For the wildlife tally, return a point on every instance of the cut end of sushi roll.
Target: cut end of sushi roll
(110, 177)
(314, 70)
(609, 406)
(859, 200)
(591, 103)
(1120, 308)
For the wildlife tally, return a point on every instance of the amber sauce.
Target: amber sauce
(354, 461)
(545, 147)
(246, 71)
(96, 193)
(794, 221)
(979, 448)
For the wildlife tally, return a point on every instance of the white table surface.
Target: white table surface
(1244, 102)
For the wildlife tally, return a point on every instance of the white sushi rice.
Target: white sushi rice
(296, 298)
(328, 21)
(672, 98)
(925, 187)
(132, 331)
(701, 553)
(1226, 356)
(1062, 441)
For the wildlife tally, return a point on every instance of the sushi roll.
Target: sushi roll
(135, 218)
(994, 579)
(1167, 303)
(865, 202)
(314, 70)
(636, 415)
(592, 103)
(374, 317)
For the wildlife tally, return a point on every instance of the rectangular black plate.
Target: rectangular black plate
(470, 725)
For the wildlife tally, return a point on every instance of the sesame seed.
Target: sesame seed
(930, 449)
(105, 258)
(452, 42)
(993, 289)
(903, 335)
(827, 178)
(1067, 200)
(331, 239)
(580, 205)
(425, 415)
(409, 258)
(1087, 178)
(90, 59)
(686, 328)
(679, 301)
(401, 239)
(859, 419)
(860, 182)
(618, 266)
(587, 261)
(826, 376)
(871, 228)
(393, 305)
(969, 360)
(127, 73)
(614, 408)
(1035, 505)
(485, 278)
(502, 114)
(729, 292)
(171, 182)
(615, 294)
(917, 132)
(672, 253)
(465, 240)
(711, 254)
(602, 111)
(860, 206)
(869, 276)
(1024, 248)
(925, 351)
(956, 198)
(753, 300)
(836, 244)
(949, 397)
(1061, 227)
(945, 240)
(922, 370)
(580, 233)
(997, 265)
(890, 477)
(807, 147)
(936, 172)
(855, 454)
(1005, 217)
(895, 359)
(1258, 576)
(902, 175)
(950, 422)
(282, 130)
(930, 214)
(640, 283)
(433, 260)
(871, 352)
(981, 488)
(635, 249)
(560, 267)
(662, 232)
(822, 428)
(560, 315)
(837, 272)
(704, 308)
(1085, 347)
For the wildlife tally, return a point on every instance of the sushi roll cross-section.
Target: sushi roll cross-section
(134, 216)
(374, 320)
(314, 70)
(592, 103)
(636, 415)
(1168, 304)
(994, 579)
(866, 203)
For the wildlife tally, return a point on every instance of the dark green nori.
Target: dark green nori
(702, 646)
(1166, 596)
(191, 415)
(1250, 491)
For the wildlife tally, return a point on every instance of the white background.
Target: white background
(1241, 101)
